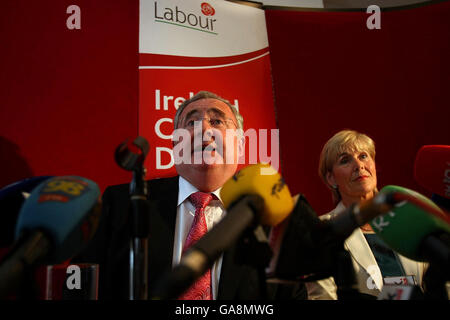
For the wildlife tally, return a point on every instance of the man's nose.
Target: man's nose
(209, 132)
(206, 123)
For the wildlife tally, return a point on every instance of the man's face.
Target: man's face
(214, 147)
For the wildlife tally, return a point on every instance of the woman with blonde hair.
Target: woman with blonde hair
(347, 167)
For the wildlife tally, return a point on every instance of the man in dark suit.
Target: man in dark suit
(202, 166)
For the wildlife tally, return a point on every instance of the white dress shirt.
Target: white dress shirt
(214, 212)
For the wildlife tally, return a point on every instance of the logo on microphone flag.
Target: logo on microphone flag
(62, 189)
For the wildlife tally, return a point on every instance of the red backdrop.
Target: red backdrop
(69, 97)
(330, 72)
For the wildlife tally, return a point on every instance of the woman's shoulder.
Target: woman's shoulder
(327, 216)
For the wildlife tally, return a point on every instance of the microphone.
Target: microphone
(56, 221)
(416, 227)
(358, 214)
(432, 171)
(264, 181)
(251, 198)
(308, 244)
(130, 156)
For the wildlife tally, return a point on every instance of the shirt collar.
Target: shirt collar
(186, 189)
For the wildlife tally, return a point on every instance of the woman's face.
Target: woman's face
(354, 174)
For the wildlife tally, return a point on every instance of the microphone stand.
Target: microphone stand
(139, 236)
(140, 217)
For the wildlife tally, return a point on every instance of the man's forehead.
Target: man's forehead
(207, 105)
(209, 102)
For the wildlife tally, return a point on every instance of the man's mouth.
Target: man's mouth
(211, 147)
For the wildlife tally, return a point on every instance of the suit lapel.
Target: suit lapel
(358, 247)
(411, 267)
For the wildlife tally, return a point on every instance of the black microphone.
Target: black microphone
(309, 244)
(251, 198)
(55, 223)
(131, 156)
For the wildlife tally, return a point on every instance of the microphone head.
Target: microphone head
(432, 169)
(131, 155)
(265, 181)
(406, 225)
(66, 209)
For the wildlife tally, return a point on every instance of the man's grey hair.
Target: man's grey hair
(208, 95)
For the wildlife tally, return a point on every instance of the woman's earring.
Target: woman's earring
(334, 186)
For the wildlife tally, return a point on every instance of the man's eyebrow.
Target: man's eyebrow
(190, 113)
(212, 110)
(216, 112)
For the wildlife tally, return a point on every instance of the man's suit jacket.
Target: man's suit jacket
(111, 243)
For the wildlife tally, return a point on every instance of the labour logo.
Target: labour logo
(207, 9)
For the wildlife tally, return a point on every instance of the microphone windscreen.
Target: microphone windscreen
(265, 181)
(407, 224)
(66, 209)
(432, 169)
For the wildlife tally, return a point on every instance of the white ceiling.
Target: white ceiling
(338, 3)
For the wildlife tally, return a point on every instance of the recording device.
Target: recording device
(55, 222)
(432, 171)
(251, 199)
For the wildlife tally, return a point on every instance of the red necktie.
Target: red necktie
(201, 289)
